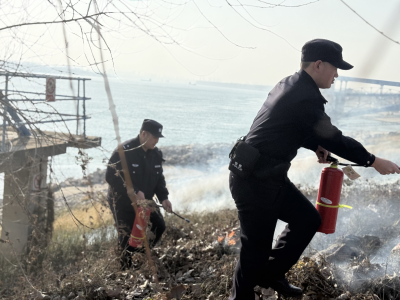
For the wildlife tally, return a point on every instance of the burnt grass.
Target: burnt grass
(196, 260)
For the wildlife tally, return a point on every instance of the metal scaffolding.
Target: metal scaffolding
(11, 115)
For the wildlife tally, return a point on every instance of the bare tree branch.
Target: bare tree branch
(55, 22)
(369, 24)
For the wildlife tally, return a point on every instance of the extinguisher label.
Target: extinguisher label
(139, 227)
(349, 171)
(326, 201)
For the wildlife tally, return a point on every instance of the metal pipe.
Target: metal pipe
(44, 100)
(84, 109)
(18, 74)
(37, 93)
(77, 107)
(3, 142)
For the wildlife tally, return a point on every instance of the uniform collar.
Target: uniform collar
(310, 81)
(136, 143)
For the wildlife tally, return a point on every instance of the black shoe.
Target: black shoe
(283, 287)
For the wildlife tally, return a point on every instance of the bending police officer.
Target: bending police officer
(292, 116)
(144, 161)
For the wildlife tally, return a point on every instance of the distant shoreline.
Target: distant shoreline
(236, 85)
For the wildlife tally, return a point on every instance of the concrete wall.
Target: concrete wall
(24, 205)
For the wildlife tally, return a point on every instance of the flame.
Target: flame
(232, 242)
(230, 239)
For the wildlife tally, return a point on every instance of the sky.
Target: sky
(228, 41)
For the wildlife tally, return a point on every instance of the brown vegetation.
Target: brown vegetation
(195, 260)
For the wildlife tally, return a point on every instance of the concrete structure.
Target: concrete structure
(23, 159)
(25, 188)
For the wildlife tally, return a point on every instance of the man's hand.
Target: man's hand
(385, 167)
(140, 196)
(322, 156)
(167, 205)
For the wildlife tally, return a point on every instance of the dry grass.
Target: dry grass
(94, 216)
(84, 261)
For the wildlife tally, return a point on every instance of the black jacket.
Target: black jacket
(145, 169)
(293, 116)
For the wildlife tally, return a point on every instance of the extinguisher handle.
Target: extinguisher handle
(330, 158)
(336, 161)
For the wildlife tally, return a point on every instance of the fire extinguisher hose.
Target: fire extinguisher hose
(335, 206)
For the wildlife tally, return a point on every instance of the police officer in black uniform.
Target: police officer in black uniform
(144, 161)
(293, 116)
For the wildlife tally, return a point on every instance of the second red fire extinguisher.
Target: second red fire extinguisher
(139, 227)
(328, 199)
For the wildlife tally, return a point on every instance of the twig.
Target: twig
(376, 29)
(55, 22)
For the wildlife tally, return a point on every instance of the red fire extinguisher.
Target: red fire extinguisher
(139, 227)
(328, 199)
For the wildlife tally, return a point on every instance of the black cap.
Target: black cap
(153, 127)
(325, 50)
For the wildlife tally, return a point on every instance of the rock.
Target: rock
(71, 296)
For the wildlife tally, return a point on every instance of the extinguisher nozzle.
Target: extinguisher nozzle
(187, 220)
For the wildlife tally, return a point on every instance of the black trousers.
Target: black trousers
(124, 216)
(260, 204)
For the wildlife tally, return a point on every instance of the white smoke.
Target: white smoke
(197, 189)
